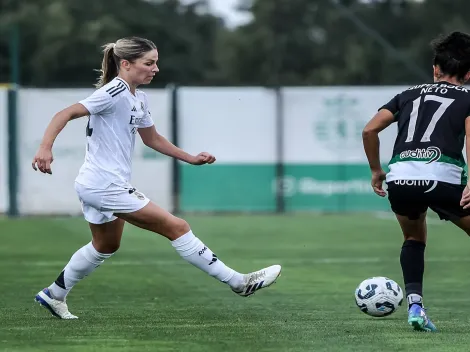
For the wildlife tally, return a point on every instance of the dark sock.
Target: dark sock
(412, 265)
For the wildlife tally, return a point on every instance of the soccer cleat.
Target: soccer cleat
(418, 319)
(259, 279)
(58, 309)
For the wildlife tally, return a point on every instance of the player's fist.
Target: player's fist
(43, 160)
(203, 158)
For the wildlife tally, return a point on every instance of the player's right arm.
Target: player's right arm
(370, 138)
(59, 121)
(465, 201)
(100, 102)
(43, 157)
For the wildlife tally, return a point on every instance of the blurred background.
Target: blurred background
(279, 91)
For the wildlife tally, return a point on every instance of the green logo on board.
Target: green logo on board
(340, 123)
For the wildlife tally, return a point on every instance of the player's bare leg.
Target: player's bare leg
(191, 249)
(106, 241)
(412, 264)
(464, 224)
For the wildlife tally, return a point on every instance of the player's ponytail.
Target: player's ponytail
(109, 66)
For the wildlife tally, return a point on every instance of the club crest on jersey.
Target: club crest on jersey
(430, 153)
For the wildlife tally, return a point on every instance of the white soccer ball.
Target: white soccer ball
(378, 296)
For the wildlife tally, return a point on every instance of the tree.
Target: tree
(339, 42)
(289, 42)
(61, 39)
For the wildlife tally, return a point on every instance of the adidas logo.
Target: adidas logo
(214, 259)
(134, 109)
(252, 288)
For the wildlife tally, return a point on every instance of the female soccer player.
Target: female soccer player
(427, 169)
(116, 112)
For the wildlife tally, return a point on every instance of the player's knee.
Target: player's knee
(179, 227)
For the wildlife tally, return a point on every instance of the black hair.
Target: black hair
(452, 54)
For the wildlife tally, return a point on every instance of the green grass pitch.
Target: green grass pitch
(145, 298)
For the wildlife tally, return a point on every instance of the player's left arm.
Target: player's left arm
(371, 141)
(152, 139)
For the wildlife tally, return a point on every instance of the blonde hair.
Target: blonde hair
(130, 49)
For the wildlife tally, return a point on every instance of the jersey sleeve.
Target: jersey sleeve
(147, 120)
(98, 103)
(393, 105)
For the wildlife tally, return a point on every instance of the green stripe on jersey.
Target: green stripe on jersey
(442, 159)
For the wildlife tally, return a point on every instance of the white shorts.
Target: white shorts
(99, 205)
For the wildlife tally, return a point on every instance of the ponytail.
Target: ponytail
(109, 66)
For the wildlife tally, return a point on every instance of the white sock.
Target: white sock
(191, 249)
(83, 263)
(414, 298)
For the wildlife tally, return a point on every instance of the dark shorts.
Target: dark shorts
(413, 197)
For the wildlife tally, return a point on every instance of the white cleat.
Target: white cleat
(259, 279)
(56, 307)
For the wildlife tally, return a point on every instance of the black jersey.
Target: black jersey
(431, 132)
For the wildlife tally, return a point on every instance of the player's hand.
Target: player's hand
(203, 158)
(43, 160)
(378, 178)
(465, 200)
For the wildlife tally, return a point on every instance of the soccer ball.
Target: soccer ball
(378, 296)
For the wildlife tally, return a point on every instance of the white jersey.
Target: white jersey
(115, 116)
